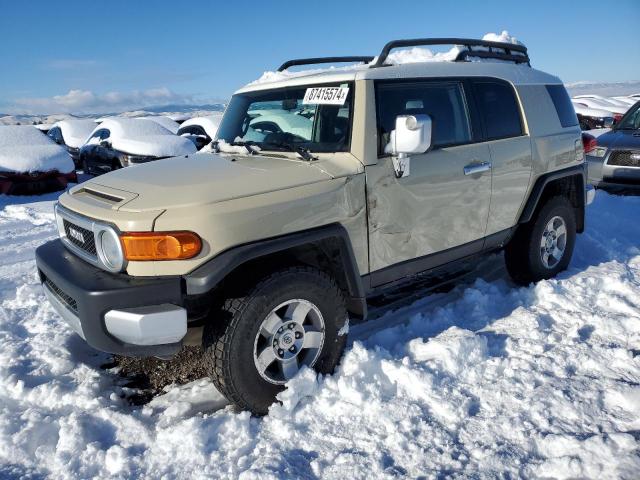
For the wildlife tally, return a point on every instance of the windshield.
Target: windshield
(284, 119)
(631, 120)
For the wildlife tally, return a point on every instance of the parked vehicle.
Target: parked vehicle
(274, 248)
(627, 100)
(591, 118)
(604, 100)
(72, 134)
(166, 122)
(200, 130)
(31, 163)
(120, 142)
(596, 103)
(614, 157)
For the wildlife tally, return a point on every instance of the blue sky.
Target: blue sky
(79, 56)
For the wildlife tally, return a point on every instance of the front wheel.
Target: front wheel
(543, 247)
(291, 319)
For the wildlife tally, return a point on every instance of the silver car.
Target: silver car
(614, 158)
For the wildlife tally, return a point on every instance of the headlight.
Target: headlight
(598, 152)
(111, 250)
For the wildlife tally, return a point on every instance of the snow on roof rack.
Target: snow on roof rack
(318, 60)
(509, 51)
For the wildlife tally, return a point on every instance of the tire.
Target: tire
(234, 345)
(525, 254)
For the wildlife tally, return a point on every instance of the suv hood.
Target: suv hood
(620, 139)
(206, 178)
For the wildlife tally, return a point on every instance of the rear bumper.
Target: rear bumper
(114, 313)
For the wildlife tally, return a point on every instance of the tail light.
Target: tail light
(589, 143)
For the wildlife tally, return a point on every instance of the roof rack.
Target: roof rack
(507, 51)
(318, 60)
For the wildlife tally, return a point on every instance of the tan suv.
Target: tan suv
(322, 188)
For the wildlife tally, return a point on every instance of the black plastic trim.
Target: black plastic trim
(96, 292)
(462, 56)
(544, 180)
(320, 60)
(209, 275)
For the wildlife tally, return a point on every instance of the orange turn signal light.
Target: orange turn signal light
(141, 246)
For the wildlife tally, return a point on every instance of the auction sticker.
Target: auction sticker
(325, 96)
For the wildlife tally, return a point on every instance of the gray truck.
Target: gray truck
(321, 189)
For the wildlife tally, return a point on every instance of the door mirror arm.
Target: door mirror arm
(412, 136)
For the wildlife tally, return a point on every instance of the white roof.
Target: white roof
(166, 122)
(25, 149)
(210, 123)
(139, 136)
(75, 131)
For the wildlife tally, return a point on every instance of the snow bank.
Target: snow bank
(75, 131)
(24, 149)
(486, 381)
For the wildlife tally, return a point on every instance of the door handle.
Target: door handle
(474, 168)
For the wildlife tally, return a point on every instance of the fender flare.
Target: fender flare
(204, 278)
(546, 179)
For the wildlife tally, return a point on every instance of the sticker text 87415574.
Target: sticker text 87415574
(325, 96)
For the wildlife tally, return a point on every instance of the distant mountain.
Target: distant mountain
(606, 89)
(170, 110)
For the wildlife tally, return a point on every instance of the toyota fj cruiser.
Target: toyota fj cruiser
(321, 189)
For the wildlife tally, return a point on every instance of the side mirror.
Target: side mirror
(412, 135)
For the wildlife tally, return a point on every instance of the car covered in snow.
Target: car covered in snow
(121, 142)
(602, 104)
(32, 163)
(591, 118)
(614, 157)
(323, 188)
(166, 122)
(72, 134)
(200, 130)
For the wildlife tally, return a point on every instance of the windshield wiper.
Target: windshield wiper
(305, 153)
(215, 145)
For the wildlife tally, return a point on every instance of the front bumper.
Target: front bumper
(114, 313)
(602, 174)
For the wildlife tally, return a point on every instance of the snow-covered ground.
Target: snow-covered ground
(487, 380)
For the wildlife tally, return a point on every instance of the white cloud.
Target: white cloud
(86, 101)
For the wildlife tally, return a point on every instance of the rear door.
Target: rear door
(502, 122)
(439, 212)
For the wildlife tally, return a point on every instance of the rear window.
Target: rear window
(564, 107)
(499, 110)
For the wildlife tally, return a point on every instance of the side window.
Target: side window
(499, 109)
(192, 130)
(564, 107)
(56, 135)
(443, 102)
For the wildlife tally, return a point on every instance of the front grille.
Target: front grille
(623, 158)
(68, 301)
(80, 237)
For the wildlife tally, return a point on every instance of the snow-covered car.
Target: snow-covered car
(627, 100)
(201, 130)
(604, 100)
(166, 122)
(120, 142)
(591, 118)
(72, 134)
(31, 162)
(614, 157)
(617, 110)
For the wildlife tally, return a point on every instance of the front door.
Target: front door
(439, 211)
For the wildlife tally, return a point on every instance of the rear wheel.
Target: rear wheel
(289, 320)
(543, 247)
